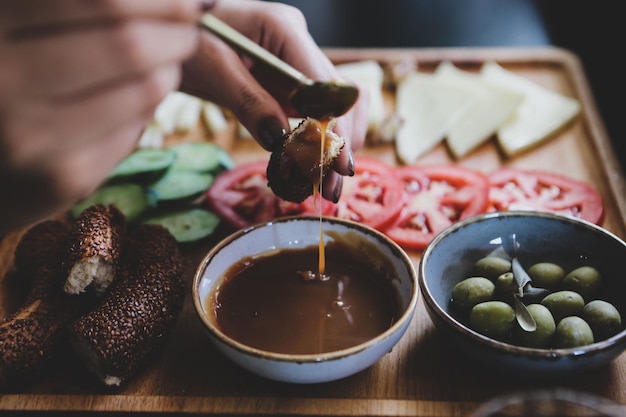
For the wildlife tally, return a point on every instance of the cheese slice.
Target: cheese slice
(493, 106)
(369, 75)
(428, 107)
(541, 113)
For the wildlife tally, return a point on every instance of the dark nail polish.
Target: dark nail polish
(337, 190)
(351, 164)
(206, 5)
(271, 133)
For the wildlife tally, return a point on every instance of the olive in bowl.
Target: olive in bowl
(302, 300)
(563, 272)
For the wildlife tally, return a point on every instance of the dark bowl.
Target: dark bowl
(452, 254)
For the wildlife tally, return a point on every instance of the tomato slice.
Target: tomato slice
(517, 189)
(373, 196)
(436, 196)
(242, 197)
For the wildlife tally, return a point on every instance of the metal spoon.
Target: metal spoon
(525, 320)
(317, 99)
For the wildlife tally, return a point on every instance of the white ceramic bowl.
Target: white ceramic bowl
(450, 256)
(302, 232)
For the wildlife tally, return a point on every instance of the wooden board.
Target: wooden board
(422, 376)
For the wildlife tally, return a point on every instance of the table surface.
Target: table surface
(422, 376)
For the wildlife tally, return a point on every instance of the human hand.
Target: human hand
(259, 97)
(79, 80)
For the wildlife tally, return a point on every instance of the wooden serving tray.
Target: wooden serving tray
(421, 376)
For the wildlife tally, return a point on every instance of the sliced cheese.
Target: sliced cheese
(178, 112)
(540, 114)
(214, 117)
(493, 106)
(369, 75)
(152, 136)
(428, 108)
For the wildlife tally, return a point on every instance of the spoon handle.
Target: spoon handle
(242, 43)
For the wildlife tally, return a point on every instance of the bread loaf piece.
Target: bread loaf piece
(138, 311)
(31, 335)
(94, 251)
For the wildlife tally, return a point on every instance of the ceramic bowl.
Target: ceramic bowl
(303, 232)
(453, 253)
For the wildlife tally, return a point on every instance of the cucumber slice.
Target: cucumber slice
(129, 198)
(187, 225)
(144, 165)
(178, 186)
(201, 157)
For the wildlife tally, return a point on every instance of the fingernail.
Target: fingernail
(271, 132)
(337, 190)
(206, 5)
(351, 164)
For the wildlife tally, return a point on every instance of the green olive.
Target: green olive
(572, 331)
(603, 317)
(492, 318)
(584, 280)
(546, 274)
(506, 284)
(471, 291)
(542, 336)
(563, 303)
(492, 267)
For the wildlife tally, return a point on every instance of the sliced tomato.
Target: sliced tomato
(242, 197)
(436, 196)
(373, 196)
(517, 189)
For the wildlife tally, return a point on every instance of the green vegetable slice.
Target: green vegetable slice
(129, 198)
(187, 225)
(144, 164)
(201, 157)
(179, 185)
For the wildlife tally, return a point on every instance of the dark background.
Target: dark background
(593, 30)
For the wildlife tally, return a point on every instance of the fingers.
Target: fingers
(284, 33)
(28, 13)
(70, 62)
(57, 126)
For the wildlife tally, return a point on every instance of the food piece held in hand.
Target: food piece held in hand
(138, 311)
(295, 168)
(94, 252)
(30, 336)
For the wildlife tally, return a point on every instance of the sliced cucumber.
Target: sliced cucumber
(143, 165)
(129, 198)
(187, 225)
(178, 186)
(201, 157)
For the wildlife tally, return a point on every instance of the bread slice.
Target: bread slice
(295, 166)
(94, 252)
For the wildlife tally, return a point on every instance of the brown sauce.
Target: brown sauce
(308, 153)
(278, 303)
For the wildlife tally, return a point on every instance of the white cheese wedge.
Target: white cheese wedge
(369, 75)
(152, 136)
(178, 112)
(541, 113)
(214, 117)
(428, 108)
(493, 106)
(188, 113)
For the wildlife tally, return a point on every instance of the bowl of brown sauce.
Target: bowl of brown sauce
(305, 300)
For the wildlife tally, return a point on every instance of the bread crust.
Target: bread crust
(94, 252)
